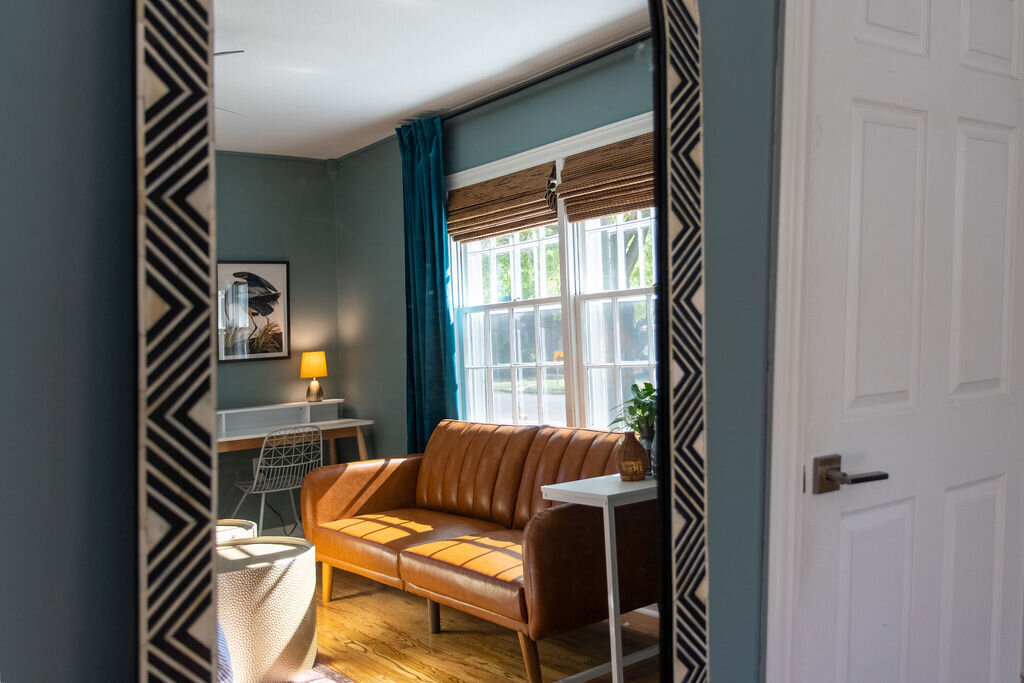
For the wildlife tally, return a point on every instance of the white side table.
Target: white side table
(266, 604)
(607, 492)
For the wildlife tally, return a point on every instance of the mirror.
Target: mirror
(330, 203)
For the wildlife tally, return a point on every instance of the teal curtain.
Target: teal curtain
(430, 331)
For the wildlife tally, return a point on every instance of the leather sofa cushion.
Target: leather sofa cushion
(560, 454)
(373, 541)
(474, 469)
(483, 569)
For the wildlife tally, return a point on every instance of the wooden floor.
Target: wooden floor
(371, 632)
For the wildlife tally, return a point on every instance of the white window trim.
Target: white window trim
(571, 296)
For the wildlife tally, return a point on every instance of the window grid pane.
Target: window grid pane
(553, 396)
(504, 275)
(476, 395)
(600, 396)
(501, 342)
(525, 335)
(475, 340)
(527, 411)
(552, 278)
(501, 395)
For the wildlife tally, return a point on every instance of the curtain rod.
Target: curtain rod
(548, 75)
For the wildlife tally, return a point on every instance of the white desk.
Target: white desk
(245, 438)
(607, 493)
(242, 429)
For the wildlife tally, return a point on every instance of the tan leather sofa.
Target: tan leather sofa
(465, 525)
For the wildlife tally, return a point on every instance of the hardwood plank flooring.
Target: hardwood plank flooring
(371, 633)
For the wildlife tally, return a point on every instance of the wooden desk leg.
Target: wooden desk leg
(361, 442)
(332, 451)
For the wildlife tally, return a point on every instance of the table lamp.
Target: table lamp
(314, 364)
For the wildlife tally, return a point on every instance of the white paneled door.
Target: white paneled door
(906, 348)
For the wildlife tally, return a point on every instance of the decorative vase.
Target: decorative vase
(631, 458)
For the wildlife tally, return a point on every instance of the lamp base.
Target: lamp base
(314, 392)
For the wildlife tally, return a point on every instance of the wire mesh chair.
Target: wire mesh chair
(287, 456)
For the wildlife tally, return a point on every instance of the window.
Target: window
(522, 359)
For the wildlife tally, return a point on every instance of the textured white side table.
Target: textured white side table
(607, 492)
(231, 529)
(265, 603)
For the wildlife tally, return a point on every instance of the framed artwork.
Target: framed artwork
(253, 313)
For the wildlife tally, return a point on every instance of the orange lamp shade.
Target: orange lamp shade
(314, 364)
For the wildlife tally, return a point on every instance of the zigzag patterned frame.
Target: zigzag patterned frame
(176, 374)
(681, 199)
(176, 340)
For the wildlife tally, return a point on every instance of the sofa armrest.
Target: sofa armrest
(564, 564)
(357, 488)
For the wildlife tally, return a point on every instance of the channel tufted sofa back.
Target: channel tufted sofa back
(474, 469)
(560, 454)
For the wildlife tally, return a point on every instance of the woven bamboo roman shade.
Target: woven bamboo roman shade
(611, 179)
(517, 201)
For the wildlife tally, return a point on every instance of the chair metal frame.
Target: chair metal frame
(288, 454)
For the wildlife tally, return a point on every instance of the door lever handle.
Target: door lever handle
(829, 475)
(835, 474)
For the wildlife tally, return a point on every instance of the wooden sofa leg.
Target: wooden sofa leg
(434, 616)
(326, 581)
(531, 660)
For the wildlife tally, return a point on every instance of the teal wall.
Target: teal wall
(277, 208)
(270, 209)
(369, 215)
(607, 90)
(67, 355)
(371, 293)
(739, 62)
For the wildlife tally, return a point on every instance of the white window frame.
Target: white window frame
(571, 297)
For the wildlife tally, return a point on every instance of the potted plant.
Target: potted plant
(639, 414)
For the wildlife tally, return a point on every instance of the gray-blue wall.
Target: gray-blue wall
(607, 90)
(277, 208)
(67, 354)
(739, 47)
(272, 209)
(371, 294)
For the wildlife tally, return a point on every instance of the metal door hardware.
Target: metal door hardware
(828, 474)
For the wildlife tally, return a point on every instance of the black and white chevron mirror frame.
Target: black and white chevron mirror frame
(176, 374)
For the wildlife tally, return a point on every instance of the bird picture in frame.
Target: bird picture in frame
(252, 310)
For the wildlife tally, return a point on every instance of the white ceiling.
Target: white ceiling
(322, 78)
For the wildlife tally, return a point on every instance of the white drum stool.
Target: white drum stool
(266, 606)
(230, 529)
